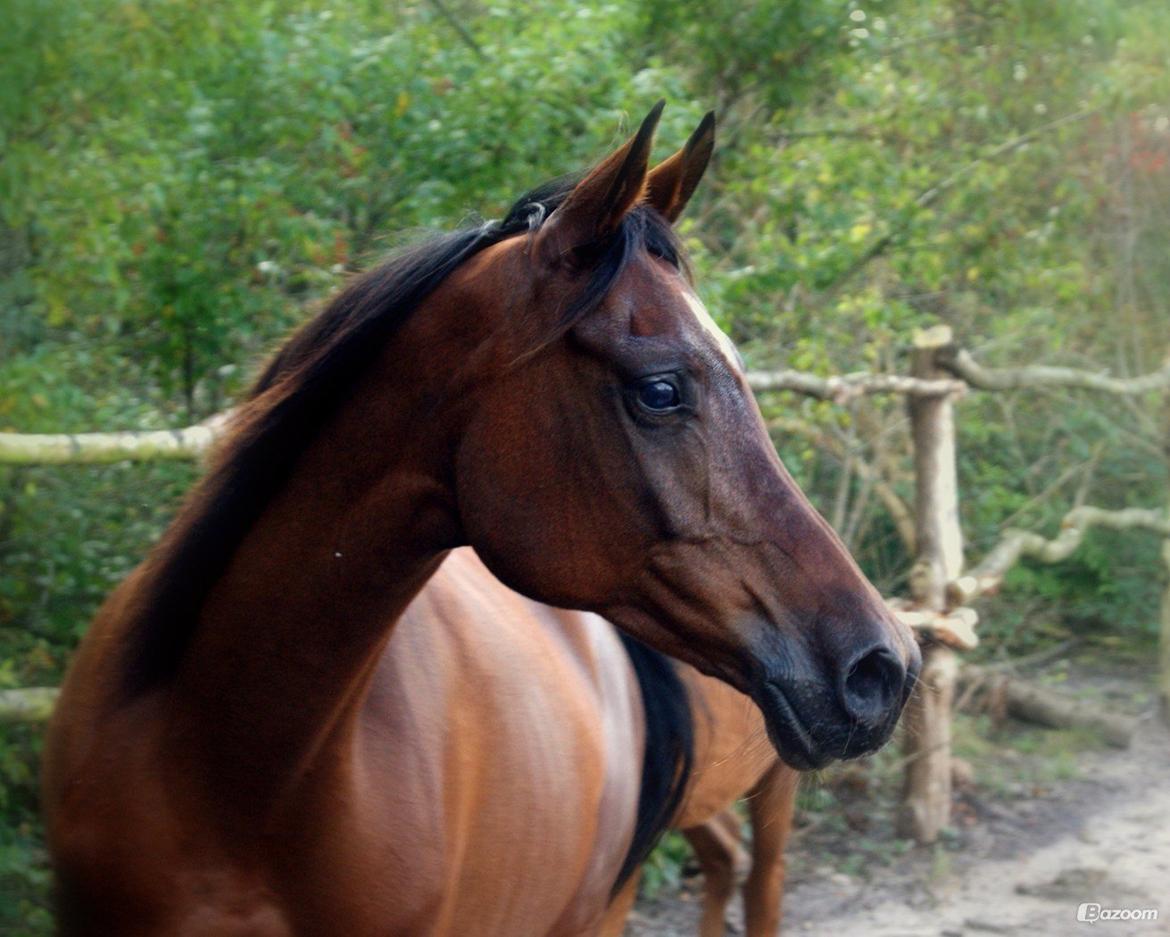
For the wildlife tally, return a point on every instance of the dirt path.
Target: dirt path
(1022, 868)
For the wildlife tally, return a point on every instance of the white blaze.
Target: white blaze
(725, 344)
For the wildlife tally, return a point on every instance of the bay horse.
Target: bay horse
(746, 771)
(548, 389)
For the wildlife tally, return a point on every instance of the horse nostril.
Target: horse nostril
(872, 685)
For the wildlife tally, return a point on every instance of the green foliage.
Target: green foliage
(664, 868)
(24, 876)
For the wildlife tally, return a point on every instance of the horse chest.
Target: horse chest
(497, 802)
(470, 839)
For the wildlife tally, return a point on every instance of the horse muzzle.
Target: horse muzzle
(836, 711)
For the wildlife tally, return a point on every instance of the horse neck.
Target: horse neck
(284, 648)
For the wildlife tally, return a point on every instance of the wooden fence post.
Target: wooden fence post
(926, 798)
(1164, 636)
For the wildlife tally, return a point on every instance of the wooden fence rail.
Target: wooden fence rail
(98, 448)
(940, 589)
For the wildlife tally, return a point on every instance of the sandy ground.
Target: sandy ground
(1022, 866)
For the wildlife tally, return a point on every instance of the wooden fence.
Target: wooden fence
(942, 589)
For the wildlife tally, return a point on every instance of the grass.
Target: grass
(1015, 757)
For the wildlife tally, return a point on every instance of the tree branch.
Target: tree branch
(843, 388)
(459, 28)
(1016, 544)
(960, 363)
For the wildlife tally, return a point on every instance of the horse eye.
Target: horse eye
(659, 395)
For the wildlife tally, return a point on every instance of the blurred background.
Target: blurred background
(181, 183)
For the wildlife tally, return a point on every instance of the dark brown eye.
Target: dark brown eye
(659, 395)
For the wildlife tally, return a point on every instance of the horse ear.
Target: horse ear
(598, 203)
(672, 182)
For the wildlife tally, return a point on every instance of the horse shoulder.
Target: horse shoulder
(501, 751)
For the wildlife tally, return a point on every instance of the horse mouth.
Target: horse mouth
(838, 738)
(787, 731)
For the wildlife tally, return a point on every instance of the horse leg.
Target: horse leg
(614, 921)
(715, 846)
(770, 806)
(729, 826)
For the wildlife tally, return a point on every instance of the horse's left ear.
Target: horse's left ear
(600, 201)
(672, 182)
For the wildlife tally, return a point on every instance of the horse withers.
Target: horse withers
(548, 389)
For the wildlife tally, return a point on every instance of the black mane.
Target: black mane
(376, 302)
(668, 755)
(304, 384)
